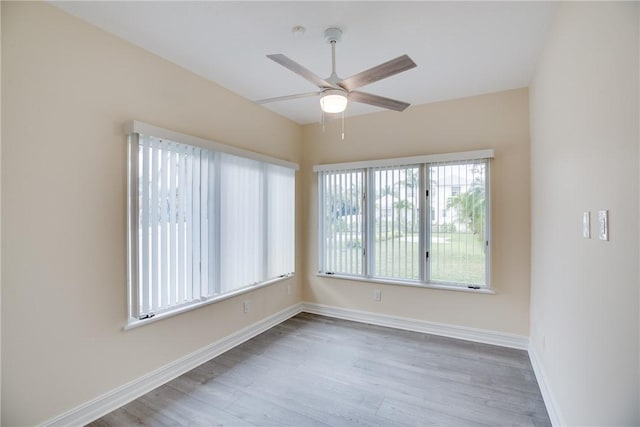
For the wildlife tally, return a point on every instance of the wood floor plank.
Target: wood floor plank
(419, 415)
(263, 412)
(205, 389)
(318, 371)
(185, 410)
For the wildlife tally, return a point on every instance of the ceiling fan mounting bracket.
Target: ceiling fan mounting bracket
(333, 35)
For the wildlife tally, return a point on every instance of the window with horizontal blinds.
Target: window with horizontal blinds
(422, 223)
(203, 224)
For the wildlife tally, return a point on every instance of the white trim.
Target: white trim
(173, 311)
(132, 223)
(503, 339)
(487, 224)
(124, 394)
(414, 160)
(135, 126)
(114, 399)
(545, 389)
(415, 284)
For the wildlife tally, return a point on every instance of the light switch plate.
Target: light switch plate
(603, 221)
(586, 225)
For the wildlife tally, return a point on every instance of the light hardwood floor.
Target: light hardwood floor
(317, 371)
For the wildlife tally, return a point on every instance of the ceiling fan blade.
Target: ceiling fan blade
(379, 72)
(378, 101)
(299, 70)
(286, 97)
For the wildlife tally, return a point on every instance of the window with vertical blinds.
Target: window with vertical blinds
(203, 223)
(420, 220)
(169, 227)
(342, 228)
(396, 222)
(458, 238)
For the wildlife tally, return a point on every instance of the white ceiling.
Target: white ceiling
(461, 48)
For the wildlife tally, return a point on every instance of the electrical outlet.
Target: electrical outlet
(247, 306)
(377, 295)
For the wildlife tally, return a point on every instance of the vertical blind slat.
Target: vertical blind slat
(196, 231)
(189, 226)
(144, 227)
(205, 231)
(164, 223)
(214, 224)
(180, 222)
(171, 223)
(153, 226)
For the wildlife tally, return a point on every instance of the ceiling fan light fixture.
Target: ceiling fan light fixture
(335, 93)
(333, 101)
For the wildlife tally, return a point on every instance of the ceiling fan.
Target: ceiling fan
(336, 92)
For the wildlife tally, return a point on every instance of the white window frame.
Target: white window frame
(423, 163)
(364, 226)
(133, 130)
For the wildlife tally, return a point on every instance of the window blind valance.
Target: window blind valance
(135, 126)
(403, 161)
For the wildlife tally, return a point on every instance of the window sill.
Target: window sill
(134, 323)
(460, 288)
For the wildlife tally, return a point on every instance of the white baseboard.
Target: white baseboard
(124, 394)
(545, 389)
(461, 332)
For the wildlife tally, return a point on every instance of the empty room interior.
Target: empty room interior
(320, 213)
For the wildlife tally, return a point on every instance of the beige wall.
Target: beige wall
(499, 121)
(67, 90)
(584, 157)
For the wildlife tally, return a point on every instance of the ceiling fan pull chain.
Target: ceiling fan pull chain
(322, 119)
(343, 125)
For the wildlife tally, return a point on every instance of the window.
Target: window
(458, 240)
(421, 220)
(396, 225)
(203, 223)
(342, 226)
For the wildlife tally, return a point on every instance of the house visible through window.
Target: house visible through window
(203, 224)
(458, 240)
(421, 223)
